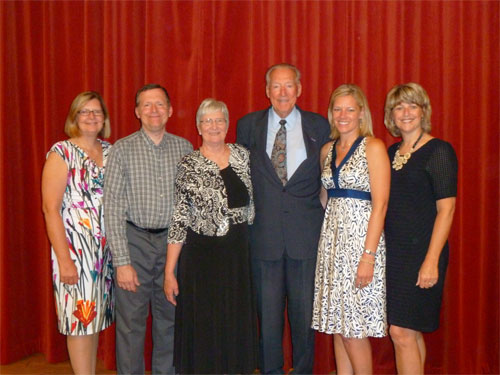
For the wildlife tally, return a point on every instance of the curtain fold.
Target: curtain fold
(51, 51)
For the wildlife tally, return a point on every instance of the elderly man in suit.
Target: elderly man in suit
(285, 144)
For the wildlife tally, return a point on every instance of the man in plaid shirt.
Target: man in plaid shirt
(139, 197)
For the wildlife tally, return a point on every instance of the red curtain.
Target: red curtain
(50, 51)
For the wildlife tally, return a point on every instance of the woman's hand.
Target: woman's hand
(68, 273)
(365, 271)
(428, 274)
(171, 288)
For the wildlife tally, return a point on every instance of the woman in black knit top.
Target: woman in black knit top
(418, 221)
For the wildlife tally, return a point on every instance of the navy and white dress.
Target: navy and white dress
(339, 306)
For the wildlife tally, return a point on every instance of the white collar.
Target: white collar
(291, 119)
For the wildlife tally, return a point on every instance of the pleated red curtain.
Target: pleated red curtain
(50, 51)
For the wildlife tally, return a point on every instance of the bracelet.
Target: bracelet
(369, 252)
(367, 261)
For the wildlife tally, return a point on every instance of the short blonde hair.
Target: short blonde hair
(365, 126)
(71, 126)
(210, 105)
(411, 93)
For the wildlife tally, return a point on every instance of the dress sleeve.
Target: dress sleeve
(180, 217)
(443, 169)
(60, 149)
(251, 206)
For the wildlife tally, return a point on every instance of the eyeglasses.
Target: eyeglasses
(87, 112)
(210, 121)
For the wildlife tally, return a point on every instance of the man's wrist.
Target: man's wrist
(121, 261)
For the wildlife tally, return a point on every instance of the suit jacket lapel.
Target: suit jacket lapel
(310, 139)
(311, 144)
(261, 133)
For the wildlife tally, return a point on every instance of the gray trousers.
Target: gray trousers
(147, 252)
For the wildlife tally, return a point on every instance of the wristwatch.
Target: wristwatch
(369, 252)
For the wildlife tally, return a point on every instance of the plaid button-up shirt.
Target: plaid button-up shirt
(139, 187)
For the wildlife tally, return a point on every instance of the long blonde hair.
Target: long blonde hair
(365, 126)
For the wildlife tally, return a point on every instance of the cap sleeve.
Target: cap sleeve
(443, 169)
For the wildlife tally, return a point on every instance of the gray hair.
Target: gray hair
(210, 105)
(283, 65)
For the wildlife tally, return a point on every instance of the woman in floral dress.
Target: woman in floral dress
(72, 191)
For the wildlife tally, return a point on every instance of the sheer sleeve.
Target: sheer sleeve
(443, 169)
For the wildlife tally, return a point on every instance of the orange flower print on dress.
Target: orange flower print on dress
(85, 311)
(85, 222)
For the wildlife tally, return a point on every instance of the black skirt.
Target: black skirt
(215, 321)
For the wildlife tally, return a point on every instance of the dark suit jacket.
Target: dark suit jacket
(287, 218)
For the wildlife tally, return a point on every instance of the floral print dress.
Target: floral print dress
(88, 306)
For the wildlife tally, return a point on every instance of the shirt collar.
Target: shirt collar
(291, 119)
(150, 142)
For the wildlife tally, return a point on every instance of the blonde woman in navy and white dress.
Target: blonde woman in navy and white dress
(349, 295)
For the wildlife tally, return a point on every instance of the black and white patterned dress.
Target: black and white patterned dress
(340, 307)
(215, 317)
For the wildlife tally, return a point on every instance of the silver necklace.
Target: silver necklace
(399, 161)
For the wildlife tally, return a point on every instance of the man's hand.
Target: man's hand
(126, 278)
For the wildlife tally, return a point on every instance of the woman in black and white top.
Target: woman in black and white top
(215, 329)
